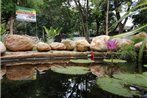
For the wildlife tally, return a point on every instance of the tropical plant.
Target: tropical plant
(3, 28)
(122, 84)
(70, 70)
(112, 46)
(51, 33)
(145, 65)
(128, 51)
(82, 61)
(140, 55)
(130, 33)
(140, 7)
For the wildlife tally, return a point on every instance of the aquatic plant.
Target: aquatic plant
(82, 61)
(114, 86)
(122, 84)
(71, 70)
(115, 61)
(145, 65)
(112, 45)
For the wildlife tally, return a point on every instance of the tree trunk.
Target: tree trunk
(84, 17)
(107, 18)
(11, 24)
(97, 25)
(120, 25)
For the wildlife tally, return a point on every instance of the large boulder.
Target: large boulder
(123, 42)
(99, 43)
(82, 45)
(2, 47)
(41, 46)
(138, 45)
(57, 46)
(18, 43)
(140, 35)
(70, 45)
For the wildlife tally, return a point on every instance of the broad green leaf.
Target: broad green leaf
(115, 86)
(145, 74)
(129, 33)
(133, 79)
(70, 70)
(130, 12)
(115, 61)
(51, 33)
(145, 65)
(82, 61)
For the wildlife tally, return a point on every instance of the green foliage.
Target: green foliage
(120, 84)
(70, 70)
(51, 33)
(115, 86)
(145, 65)
(132, 79)
(130, 32)
(2, 28)
(141, 6)
(140, 55)
(82, 61)
(115, 61)
(128, 52)
(137, 39)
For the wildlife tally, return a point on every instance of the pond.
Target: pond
(50, 84)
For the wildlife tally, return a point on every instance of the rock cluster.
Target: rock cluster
(69, 44)
(57, 46)
(98, 43)
(41, 46)
(2, 47)
(82, 45)
(18, 43)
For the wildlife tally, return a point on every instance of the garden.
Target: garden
(73, 49)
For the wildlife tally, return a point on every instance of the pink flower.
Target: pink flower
(112, 44)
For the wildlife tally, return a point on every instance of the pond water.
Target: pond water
(55, 85)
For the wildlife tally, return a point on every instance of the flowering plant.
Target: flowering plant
(112, 46)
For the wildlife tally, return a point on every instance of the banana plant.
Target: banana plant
(51, 33)
(129, 13)
(126, 34)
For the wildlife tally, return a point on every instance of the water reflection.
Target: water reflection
(54, 85)
(49, 85)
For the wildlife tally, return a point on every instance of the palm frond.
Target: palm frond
(129, 33)
(129, 13)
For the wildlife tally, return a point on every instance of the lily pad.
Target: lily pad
(133, 79)
(115, 86)
(145, 65)
(115, 61)
(145, 74)
(71, 70)
(86, 61)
